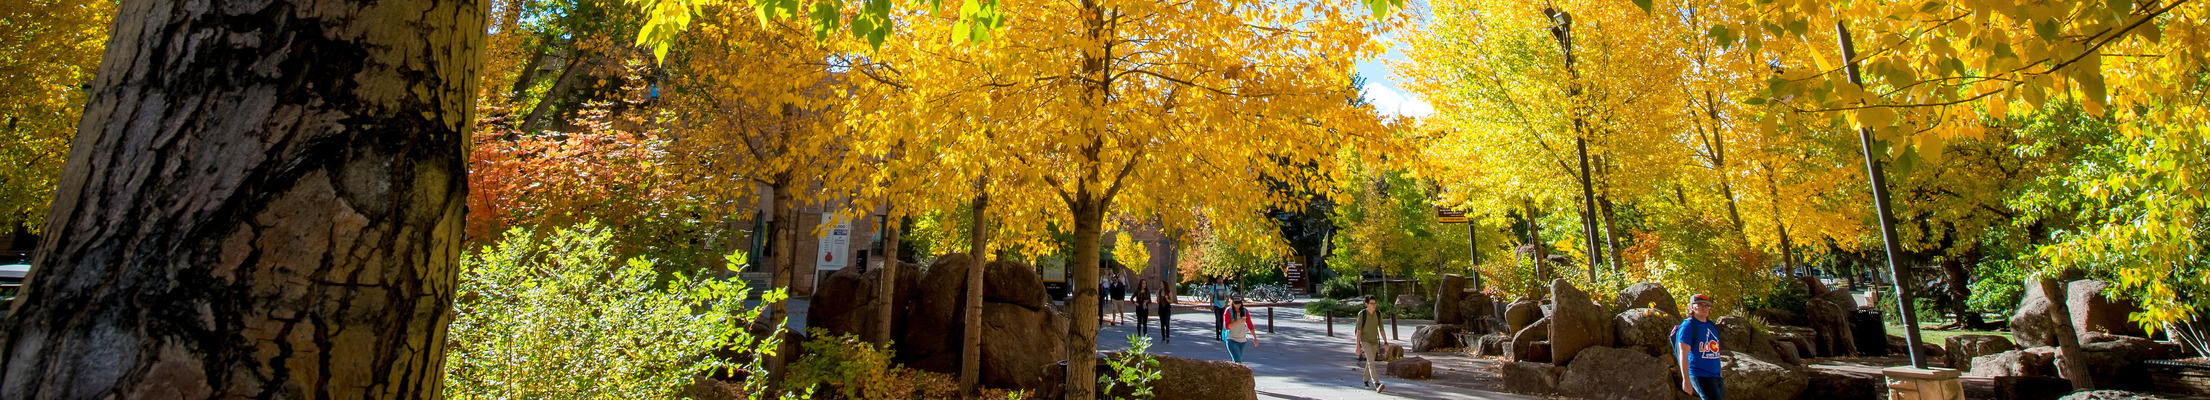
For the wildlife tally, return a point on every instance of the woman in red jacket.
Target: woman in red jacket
(1240, 332)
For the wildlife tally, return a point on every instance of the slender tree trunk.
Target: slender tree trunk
(2068, 339)
(1718, 147)
(1588, 210)
(1534, 238)
(970, 339)
(1787, 246)
(264, 199)
(553, 95)
(886, 290)
(1611, 232)
(785, 259)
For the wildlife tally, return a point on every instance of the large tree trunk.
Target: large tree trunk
(970, 340)
(1089, 222)
(2068, 339)
(886, 293)
(264, 199)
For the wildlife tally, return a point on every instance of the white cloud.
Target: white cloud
(1390, 101)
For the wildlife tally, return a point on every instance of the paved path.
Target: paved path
(1299, 361)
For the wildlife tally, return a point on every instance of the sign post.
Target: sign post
(1473, 237)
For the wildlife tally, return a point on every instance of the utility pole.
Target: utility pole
(1880, 205)
(1561, 28)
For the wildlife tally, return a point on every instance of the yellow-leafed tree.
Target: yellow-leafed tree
(1076, 111)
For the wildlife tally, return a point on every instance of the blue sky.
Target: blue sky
(1386, 90)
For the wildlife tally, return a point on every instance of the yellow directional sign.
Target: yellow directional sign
(1451, 220)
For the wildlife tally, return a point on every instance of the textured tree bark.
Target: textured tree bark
(970, 338)
(2068, 339)
(785, 258)
(886, 290)
(264, 200)
(1089, 222)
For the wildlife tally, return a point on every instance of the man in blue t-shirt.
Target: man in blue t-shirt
(1697, 342)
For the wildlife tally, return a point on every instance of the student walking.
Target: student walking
(1143, 307)
(1240, 332)
(1370, 341)
(1166, 311)
(1219, 308)
(1697, 342)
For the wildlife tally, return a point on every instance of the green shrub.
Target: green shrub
(559, 317)
(1133, 371)
(2000, 288)
(846, 366)
(1339, 309)
(1341, 287)
(1779, 293)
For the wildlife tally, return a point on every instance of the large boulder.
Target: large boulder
(2033, 362)
(1738, 335)
(1435, 337)
(1408, 301)
(1647, 295)
(2116, 361)
(1475, 307)
(2031, 387)
(1749, 378)
(2032, 325)
(846, 303)
(1190, 378)
(2092, 311)
(1604, 373)
(1525, 338)
(1521, 313)
(1782, 316)
(1961, 349)
(1414, 367)
(1577, 323)
(1446, 299)
(1530, 378)
(1491, 345)
(2109, 395)
(1899, 345)
(1647, 330)
(1023, 333)
(1811, 286)
(1867, 332)
(1822, 384)
(1829, 315)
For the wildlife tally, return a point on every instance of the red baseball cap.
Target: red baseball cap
(1699, 298)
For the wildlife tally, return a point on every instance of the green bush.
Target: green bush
(2000, 288)
(1341, 287)
(1339, 309)
(1778, 293)
(559, 317)
(1133, 371)
(846, 366)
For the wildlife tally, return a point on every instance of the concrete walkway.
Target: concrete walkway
(1300, 362)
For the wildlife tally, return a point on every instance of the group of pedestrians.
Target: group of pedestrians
(1696, 338)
